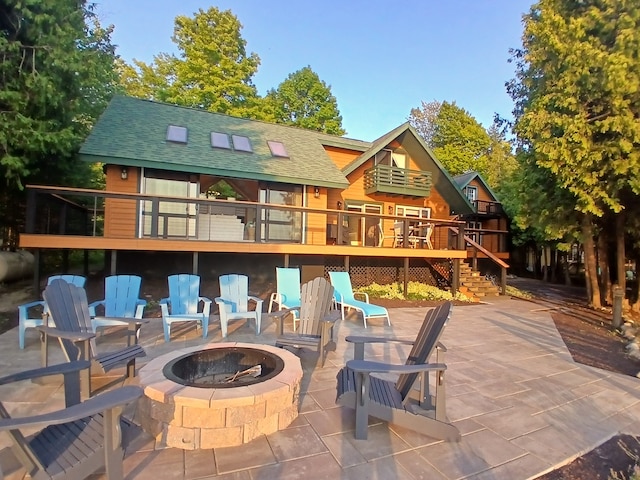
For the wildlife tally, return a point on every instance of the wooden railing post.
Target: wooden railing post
(503, 281)
(155, 209)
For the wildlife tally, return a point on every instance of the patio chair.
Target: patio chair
(400, 402)
(233, 302)
(345, 296)
(121, 294)
(24, 311)
(396, 237)
(183, 304)
(287, 294)
(69, 310)
(317, 317)
(76, 441)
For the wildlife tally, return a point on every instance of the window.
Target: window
(220, 140)
(472, 193)
(241, 144)
(176, 134)
(417, 212)
(277, 149)
(473, 231)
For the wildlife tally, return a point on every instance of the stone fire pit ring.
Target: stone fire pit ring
(191, 418)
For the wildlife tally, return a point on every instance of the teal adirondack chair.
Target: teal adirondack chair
(121, 294)
(25, 321)
(183, 304)
(287, 294)
(345, 296)
(233, 302)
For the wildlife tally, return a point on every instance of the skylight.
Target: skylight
(176, 134)
(220, 140)
(241, 144)
(277, 149)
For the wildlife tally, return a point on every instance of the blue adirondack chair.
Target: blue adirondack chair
(25, 321)
(345, 296)
(121, 294)
(233, 302)
(287, 294)
(183, 304)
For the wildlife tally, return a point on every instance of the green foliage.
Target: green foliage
(303, 100)
(577, 101)
(415, 291)
(212, 70)
(56, 76)
(516, 292)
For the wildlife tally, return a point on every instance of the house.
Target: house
(288, 192)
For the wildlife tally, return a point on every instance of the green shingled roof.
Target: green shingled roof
(133, 132)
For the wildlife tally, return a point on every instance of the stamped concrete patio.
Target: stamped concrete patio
(521, 403)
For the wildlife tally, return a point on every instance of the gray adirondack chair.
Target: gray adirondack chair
(68, 306)
(317, 318)
(399, 402)
(75, 441)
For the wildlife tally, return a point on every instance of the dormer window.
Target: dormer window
(241, 144)
(176, 134)
(472, 193)
(277, 149)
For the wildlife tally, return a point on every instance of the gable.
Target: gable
(475, 179)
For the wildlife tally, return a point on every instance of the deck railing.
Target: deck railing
(70, 211)
(398, 181)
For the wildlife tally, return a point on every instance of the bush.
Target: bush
(415, 291)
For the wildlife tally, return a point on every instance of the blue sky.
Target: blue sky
(380, 58)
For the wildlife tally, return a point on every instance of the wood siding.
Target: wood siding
(121, 215)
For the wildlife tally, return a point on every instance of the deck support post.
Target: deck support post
(114, 262)
(286, 260)
(36, 272)
(503, 281)
(405, 288)
(194, 265)
(346, 263)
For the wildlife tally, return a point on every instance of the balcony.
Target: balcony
(489, 209)
(397, 181)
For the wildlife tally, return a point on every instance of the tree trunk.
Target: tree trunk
(603, 264)
(590, 269)
(565, 268)
(620, 252)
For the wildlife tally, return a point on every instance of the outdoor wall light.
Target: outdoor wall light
(390, 210)
(339, 205)
(124, 173)
(316, 192)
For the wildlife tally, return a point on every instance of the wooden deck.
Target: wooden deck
(44, 241)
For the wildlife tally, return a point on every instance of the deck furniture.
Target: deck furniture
(233, 302)
(400, 402)
(287, 294)
(27, 316)
(346, 298)
(317, 318)
(69, 310)
(183, 304)
(75, 441)
(121, 294)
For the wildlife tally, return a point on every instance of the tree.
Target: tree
(56, 75)
(456, 138)
(578, 104)
(303, 100)
(212, 72)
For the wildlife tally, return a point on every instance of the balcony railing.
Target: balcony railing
(488, 208)
(397, 181)
(83, 212)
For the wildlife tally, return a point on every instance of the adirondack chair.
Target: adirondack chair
(400, 403)
(121, 294)
(317, 317)
(183, 304)
(69, 310)
(287, 294)
(233, 302)
(346, 298)
(75, 441)
(24, 311)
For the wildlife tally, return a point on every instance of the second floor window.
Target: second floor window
(472, 193)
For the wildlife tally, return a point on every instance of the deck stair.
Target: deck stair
(473, 282)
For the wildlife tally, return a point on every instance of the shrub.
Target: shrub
(415, 291)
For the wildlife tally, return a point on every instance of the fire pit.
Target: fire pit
(219, 395)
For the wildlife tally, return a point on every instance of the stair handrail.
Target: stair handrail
(501, 263)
